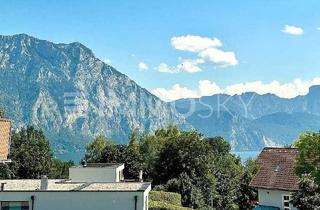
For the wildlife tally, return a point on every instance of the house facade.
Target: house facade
(5, 133)
(276, 180)
(94, 187)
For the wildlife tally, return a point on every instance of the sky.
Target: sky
(186, 48)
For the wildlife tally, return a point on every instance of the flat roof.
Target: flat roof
(19, 185)
(100, 165)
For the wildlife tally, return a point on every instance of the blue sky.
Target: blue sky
(204, 46)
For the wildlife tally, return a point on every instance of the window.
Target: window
(286, 202)
(15, 205)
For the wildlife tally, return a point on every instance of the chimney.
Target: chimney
(140, 176)
(2, 186)
(84, 163)
(44, 182)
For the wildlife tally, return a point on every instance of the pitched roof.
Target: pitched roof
(5, 130)
(276, 169)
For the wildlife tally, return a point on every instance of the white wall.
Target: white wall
(272, 198)
(79, 200)
(93, 174)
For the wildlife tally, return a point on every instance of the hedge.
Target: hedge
(160, 200)
(157, 205)
(166, 197)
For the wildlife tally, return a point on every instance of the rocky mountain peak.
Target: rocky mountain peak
(72, 95)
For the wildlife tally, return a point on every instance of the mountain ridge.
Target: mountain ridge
(72, 95)
(254, 120)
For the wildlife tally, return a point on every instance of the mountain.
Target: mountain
(251, 121)
(69, 93)
(73, 96)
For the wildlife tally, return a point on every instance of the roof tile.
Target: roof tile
(276, 169)
(5, 129)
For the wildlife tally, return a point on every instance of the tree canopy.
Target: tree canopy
(202, 170)
(308, 161)
(2, 112)
(308, 197)
(308, 169)
(32, 157)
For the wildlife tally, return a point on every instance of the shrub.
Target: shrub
(157, 205)
(160, 200)
(166, 197)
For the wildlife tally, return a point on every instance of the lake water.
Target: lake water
(245, 155)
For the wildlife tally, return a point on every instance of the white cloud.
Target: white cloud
(219, 57)
(187, 65)
(205, 49)
(207, 88)
(107, 61)
(176, 92)
(142, 66)
(286, 90)
(165, 68)
(191, 66)
(293, 30)
(193, 43)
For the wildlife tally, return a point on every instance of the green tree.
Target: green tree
(133, 160)
(309, 155)
(227, 171)
(6, 172)
(151, 145)
(186, 157)
(134, 140)
(308, 197)
(95, 149)
(32, 157)
(31, 154)
(202, 170)
(246, 194)
(123, 154)
(2, 112)
(60, 169)
(219, 146)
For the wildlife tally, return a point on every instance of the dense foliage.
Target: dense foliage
(308, 161)
(308, 169)
(309, 195)
(202, 170)
(160, 200)
(246, 195)
(32, 157)
(2, 112)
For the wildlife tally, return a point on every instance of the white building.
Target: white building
(97, 172)
(276, 179)
(94, 187)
